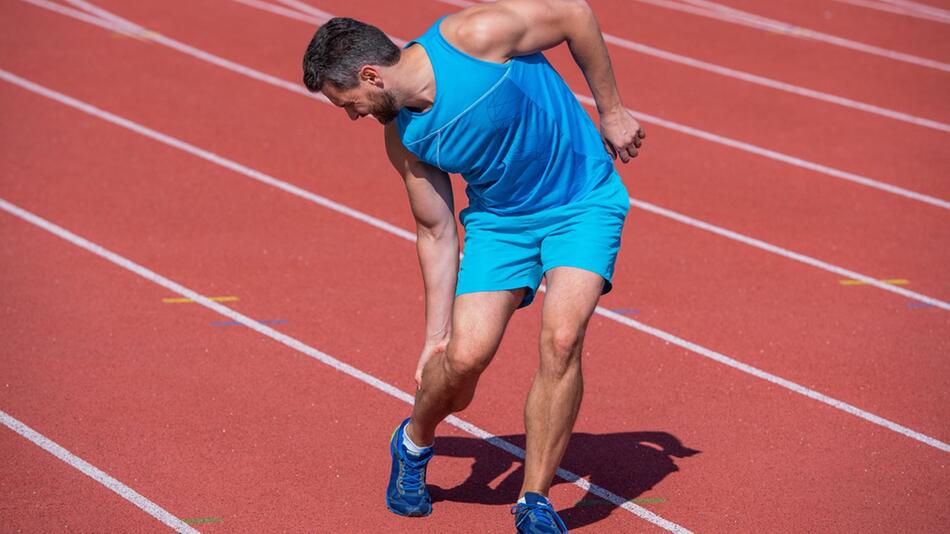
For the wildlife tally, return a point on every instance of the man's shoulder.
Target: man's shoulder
(484, 31)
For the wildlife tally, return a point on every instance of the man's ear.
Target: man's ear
(371, 74)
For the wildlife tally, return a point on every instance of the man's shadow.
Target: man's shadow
(626, 463)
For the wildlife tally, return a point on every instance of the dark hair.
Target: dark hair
(340, 48)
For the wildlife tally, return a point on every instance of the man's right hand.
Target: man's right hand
(430, 349)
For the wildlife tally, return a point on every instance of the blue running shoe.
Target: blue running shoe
(537, 516)
(407, 493)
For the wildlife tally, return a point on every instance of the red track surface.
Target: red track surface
(218, 421)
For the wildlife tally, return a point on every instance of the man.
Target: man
(474, 96)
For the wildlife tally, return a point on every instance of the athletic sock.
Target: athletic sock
(413, 449)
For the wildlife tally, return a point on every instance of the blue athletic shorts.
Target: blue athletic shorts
(514, 251)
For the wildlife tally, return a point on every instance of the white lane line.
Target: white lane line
(919, 7)
(752, 78)
(176, 45)
(776, 84)
(735, 16)
(779, 156)
(94, 472)
(290, 13)
(105, 16)
(777, 380)
(899, 10)
(408, 236)
(204, 154)
(306, 9)
(795, 256)
(687, 130)
(312, 352)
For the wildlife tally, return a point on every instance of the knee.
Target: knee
(560, 349)
(466, 358)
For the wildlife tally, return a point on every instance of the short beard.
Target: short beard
(384, 107)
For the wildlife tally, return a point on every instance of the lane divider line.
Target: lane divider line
(891, 281)
(792, 255)
(723, 13)
(320, 356)
(306, 8)
(289, 13)
(686, 130)
(897, 9)
(178, 300)
(920, 7)
(724, 71)
(95, 473)
(409, 236)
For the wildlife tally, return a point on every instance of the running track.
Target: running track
(217, 422)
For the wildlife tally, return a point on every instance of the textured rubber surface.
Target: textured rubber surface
(217, 422)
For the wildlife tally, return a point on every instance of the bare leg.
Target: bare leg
(555, 395)
(449, 378)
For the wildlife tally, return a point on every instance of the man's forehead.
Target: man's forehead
(337, 96)
(331, 93)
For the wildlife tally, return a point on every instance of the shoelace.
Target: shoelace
(411, 479)
(548, 518)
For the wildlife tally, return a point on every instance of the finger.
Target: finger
(636, 141)
(641, 133)
(610, 149)
(623, 156)
(633, 152)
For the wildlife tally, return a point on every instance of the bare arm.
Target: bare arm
(510, 28)
(431, 201)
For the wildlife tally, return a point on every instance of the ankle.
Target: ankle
(412, 444)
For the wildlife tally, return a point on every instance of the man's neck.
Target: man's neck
(414, 79)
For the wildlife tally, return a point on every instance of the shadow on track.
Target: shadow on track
(627, 463)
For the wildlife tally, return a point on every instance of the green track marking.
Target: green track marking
(638, 500)
(203, 520)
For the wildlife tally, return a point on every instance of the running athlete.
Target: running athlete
(474, 96)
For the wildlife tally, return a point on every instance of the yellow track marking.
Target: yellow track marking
(891, 281)
(179, 300)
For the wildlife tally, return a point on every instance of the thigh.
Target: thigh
(570, 299)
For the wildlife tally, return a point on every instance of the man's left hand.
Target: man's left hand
(622, 134)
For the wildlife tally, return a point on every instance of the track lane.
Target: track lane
(805, 191)
(217, 422)
(914, 148)
(221, 370)
(43, 494)
(489, 414)
(812, 64)
(817, 131)
(755, 343)
(728, 441)
(897, 32)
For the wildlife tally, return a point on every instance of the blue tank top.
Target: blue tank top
(513, 130)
